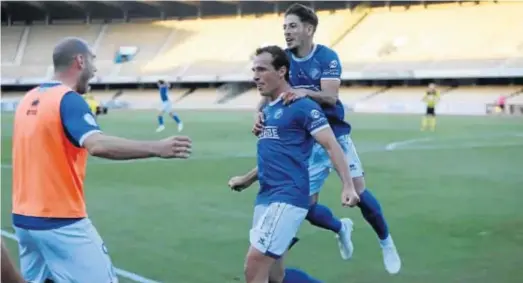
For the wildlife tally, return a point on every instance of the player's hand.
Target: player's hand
(349, 197)
(258, 123)
(290, 96)
(175, 147)
(238, 183)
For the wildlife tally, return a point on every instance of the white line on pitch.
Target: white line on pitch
(394, 145)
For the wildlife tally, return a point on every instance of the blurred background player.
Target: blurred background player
(98, 108)
(57, 240)
(315, 72)
(500, 104)
(95, 106)
(431, 98)
(283, 152)
(167, 107)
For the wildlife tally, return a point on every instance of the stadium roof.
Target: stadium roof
(48, 11)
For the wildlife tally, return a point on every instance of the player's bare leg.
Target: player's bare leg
(424, 123)
(277, 272)
(432, 123)
(344, 236)
(391, 258)
(257, 266)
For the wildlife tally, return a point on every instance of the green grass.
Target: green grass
(453, 201)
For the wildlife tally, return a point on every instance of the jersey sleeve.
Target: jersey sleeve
(77, 119)
(331, 66)
(313, 118)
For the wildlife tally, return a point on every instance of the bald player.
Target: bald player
(54, 132)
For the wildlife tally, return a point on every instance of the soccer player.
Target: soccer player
(96, 107)
(315, 73)
(432, 98)
(53, 133)
(167, 107)
(284, 149)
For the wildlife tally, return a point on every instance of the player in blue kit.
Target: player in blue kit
(167, 107)
(315, 72)
(284, 148)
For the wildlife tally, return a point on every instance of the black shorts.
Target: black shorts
(430, 111)
(100, 110)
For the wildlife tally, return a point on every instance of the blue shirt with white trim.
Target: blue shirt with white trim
(308, 72)
(78, 123)
(284, 148)
(164, 92)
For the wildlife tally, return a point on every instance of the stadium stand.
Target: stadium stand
(11, 37)
(410, 39)
(436, 35)
(42, 39)
(406, 40)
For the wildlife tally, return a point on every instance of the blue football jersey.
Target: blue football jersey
(164, 93)
(308, 72)
(284, 147)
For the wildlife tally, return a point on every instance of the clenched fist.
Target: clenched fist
(349, 197)
(238, 183)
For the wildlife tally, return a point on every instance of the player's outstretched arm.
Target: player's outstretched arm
(240, 183)
(83, 130)
(326, 138)
(110, 147)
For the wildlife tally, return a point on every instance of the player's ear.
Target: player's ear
(310, 30)
(282, 71)
(80, 61)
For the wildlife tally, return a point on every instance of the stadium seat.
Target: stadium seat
(385, 39)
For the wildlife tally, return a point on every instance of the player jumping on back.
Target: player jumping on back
(167, 107)
(284, 149)
(315, 73)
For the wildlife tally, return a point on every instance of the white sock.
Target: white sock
(387, 242)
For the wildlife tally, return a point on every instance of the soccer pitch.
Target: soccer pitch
(452, 198)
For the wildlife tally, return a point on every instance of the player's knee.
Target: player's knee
(256, 265)
(277, 272)
(359, 184)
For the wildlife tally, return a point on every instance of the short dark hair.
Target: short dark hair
(161, 82)
(306, 14)
(279, 57)
(65, 51)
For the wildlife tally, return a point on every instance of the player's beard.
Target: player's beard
(81, 88)
(83, 82)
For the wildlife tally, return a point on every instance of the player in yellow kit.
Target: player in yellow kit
(432, 98)
(94, 105)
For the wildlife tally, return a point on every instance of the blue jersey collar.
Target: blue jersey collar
(306, 57)
(274, 102)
